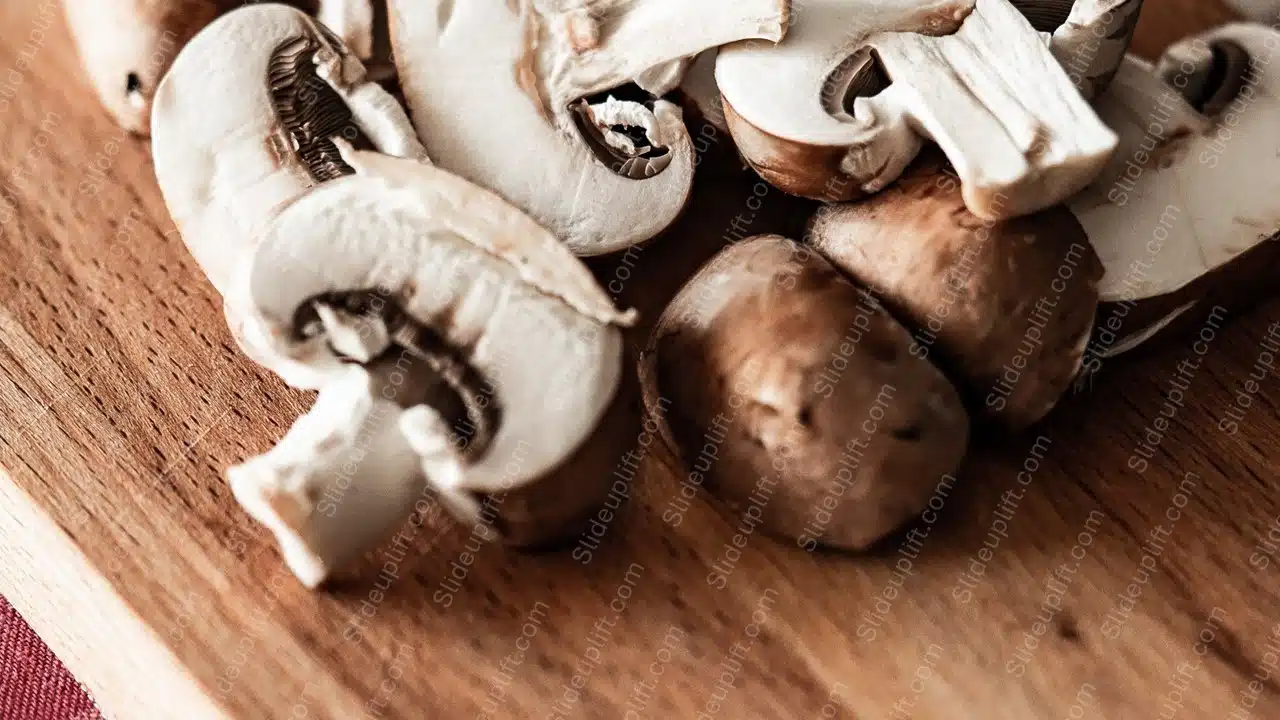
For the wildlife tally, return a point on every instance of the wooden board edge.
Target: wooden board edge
(128, 670)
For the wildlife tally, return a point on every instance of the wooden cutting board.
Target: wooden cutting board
(1063, 578)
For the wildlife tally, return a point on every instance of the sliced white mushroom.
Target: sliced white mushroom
(817, 115)
(526, 97)
(506, 353)
(1190, 201)
(245, 122)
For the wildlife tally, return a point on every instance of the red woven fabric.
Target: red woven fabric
(34, 685)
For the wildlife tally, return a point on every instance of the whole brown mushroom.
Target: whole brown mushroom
(1007, 307)
(795, 394)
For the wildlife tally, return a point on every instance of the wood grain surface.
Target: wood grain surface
(1070, 573)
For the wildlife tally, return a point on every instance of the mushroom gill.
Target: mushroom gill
(1045, 15)
(1220, 75)
(368, 326)
(859, 75)
(310, 110)
(622, 131)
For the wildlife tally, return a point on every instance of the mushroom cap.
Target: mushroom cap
(794, 394)
(1006, 306)
(242, 125)
(1186, 194)
(126, 47)
(841, 106)
(499, 292)
(494, 89)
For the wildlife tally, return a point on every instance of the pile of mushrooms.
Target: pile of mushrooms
(860, 406)
(993, 180)
(411, 299)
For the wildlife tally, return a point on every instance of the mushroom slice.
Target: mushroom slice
(1189, 208)
(406, 263)
(362, 25)
(795, 396)
(839, 108)
(1088, 37)
(527, 97)
(246, 121)
(1006, 307)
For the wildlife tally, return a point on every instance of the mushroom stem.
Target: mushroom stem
(352, 20)
(634, 42)
(340, 480)
(1019, 141)
(1091, 44)
(359, 337)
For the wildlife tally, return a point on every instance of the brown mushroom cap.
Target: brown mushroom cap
(795, 395)
(1006, 306)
